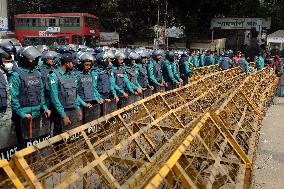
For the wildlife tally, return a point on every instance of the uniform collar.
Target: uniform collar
(63, 72)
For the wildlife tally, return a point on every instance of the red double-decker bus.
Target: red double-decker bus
(57, 28)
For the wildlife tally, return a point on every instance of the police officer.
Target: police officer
(131, 70)
(195, 59)
(7, 135)
(168, 71)
(202, 58)
(126, 90)
(242, 62)
(106, 82)
(62, 49)
(45, 69)
(155, 72)
(27, 97)
(87, 88)
(226, 62)
(186, 70)
(259, 64)
(176, 72)
(143, 75)
(64, 96)
(209, 58)
(9, 48)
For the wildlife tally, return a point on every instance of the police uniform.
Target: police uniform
(106, 86)
(45, 70)
(185, 72)
(168, 74)
(143, 79)
(195, 61)
(7, 130)
(27, 97)
(132, 73)
(202, 60)
(176, 71)
(124, 85)
(243, 64)
(65, 99)
(226, 63)
(88, 92)
(156, 75)
(259, 64)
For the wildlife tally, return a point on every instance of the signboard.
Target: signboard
(44, 34)
(174, 32)
(53, 30)
(109, 37)
(93, 31)
(275, 40)
(240, 23)
(3, 24)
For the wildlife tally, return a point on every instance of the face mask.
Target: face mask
(13, 57)
(8, 66)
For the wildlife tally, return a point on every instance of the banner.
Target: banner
(240, 23)
(3, 24)
(174, 32)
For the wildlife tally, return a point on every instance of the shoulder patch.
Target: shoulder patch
(52, 81)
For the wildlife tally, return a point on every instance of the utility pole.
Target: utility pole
(167, 40)
(158, 12)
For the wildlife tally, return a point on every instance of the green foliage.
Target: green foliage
(134, 19)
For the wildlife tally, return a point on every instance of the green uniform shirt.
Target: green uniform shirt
(168, 71)
(15, 85)
(259, 64)
(140, 75)
(129, 85)
(187, 69)
(202, 60)
(53, 85)
(136, 85)
(175, 71)
(212, 59)
(195, 61)
(112, 83)
(151, 74)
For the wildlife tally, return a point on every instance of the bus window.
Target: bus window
(91, 22)
(52, 22)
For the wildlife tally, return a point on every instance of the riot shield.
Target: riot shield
(108, 107)
(90, 114)
(74, 118)
(147, 92)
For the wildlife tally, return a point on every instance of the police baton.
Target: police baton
(31, 128)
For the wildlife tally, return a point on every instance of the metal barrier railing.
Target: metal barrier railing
(129, 147)
(219, 150)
